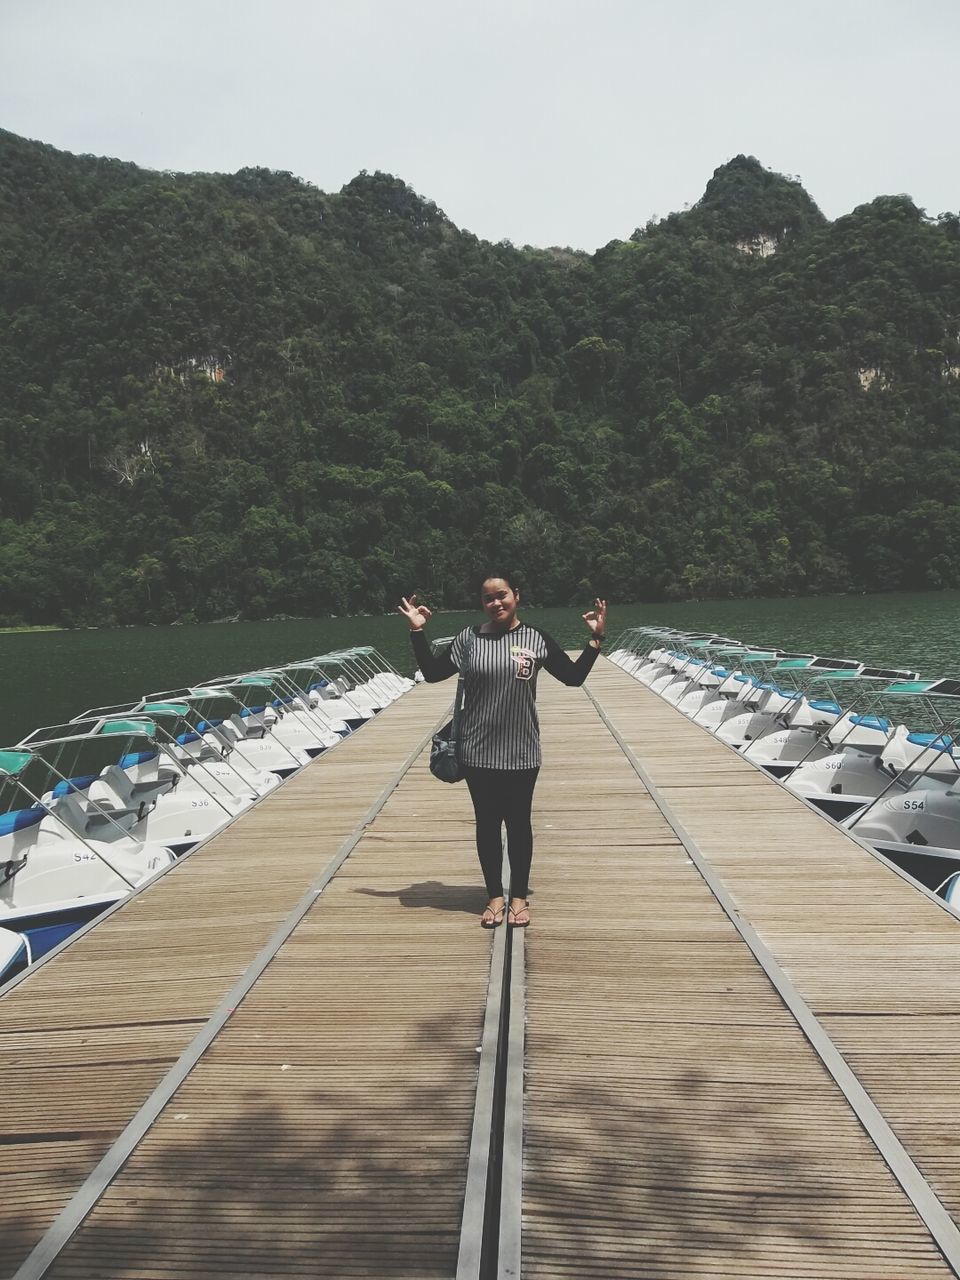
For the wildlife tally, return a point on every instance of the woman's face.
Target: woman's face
(500, 601)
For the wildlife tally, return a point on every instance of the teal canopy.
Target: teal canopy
(140, 728)
(12, 762)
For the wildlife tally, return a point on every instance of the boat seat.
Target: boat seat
(125, 818)
(86, 823)
(67, 785)
(132, 795)
(136, 759)
(244, 728)
(19, 819)
(932, 741)
(880, 723)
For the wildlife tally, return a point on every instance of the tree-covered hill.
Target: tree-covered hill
(236, 394)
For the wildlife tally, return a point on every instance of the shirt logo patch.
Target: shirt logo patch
(526, 662)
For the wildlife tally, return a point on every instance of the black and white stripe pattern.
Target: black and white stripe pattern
(499, 728)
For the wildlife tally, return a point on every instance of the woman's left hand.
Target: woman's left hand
(596, 619)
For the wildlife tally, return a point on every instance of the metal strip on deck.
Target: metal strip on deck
(677, 1121)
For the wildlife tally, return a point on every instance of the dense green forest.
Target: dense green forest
(228, 395)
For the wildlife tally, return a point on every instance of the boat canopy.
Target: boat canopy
(867, 673)
(86, 730)
(900, 687)
(14, 762)
(887, 673)
(132, 728)
(837, 664)
(98, 713)
(180, 700)
(929, 688)
(945, 688)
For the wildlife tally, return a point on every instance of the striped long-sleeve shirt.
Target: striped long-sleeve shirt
(499, 728)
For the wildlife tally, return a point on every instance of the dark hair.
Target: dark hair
(509, 578)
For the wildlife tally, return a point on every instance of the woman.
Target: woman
(499, 730)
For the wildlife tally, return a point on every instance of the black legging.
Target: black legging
(503, 796)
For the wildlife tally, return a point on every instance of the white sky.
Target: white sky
(540, 121)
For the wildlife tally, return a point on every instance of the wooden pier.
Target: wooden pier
(726, 1047)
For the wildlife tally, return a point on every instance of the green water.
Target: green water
(48, 677)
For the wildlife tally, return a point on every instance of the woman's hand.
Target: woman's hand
(418, 615)
(596, 619)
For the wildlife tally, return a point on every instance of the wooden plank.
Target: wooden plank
(327, 1126)
(677, 1121)
(103, 1022)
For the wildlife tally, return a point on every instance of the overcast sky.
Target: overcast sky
(539, 121)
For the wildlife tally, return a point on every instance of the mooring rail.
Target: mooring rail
(717, 1051)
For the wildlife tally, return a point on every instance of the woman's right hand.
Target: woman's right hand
(418, 615)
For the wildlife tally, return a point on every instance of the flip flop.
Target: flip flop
(497, 913)
(515, 923)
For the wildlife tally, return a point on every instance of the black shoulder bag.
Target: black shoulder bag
(445, 749)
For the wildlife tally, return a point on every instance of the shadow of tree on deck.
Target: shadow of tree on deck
(341, 1167)
(308, 1168)
(698, 1175)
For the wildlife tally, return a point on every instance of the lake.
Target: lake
(46, 677)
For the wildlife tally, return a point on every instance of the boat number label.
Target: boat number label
(915, 803)
(199, 804)
(85, 857)
(833, 764)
